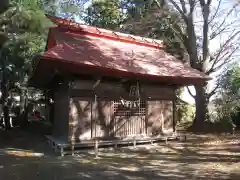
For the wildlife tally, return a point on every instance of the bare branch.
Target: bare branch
(190, 92)
(182, 101)
(213, 91)
(216, 12)
(190, 41)
(225, 44)
(202, 3)
(179, 10)
(183, 6)
(209, 2)
(216, 33)
(225, 59)
(205, 13)
(219, 55)
(226, 16)
(192, 4)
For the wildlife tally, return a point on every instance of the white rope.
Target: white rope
(132, 103)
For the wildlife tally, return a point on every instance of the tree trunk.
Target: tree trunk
(5, 104)
(6, 117)
(4, 99)
(23, 108)
(201, 114)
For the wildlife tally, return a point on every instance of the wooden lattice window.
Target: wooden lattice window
(129, 109)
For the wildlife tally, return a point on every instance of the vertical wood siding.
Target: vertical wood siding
(80, 119)
(101, 111)
(168, 114)
(89, 119)
(159, 116)
(154, 117)
(105, 117)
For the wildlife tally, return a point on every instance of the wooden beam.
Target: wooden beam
(174, 115)
(91, 119)
(146, 116)
(96, 148)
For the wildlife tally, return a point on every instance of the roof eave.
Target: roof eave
(73, 68)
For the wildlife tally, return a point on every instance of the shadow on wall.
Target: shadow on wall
(97, 119)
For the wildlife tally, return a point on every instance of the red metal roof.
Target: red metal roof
(104, 33)
(77, 49)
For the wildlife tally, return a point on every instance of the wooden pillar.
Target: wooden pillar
(95, 116)
(96, 148)
(146, 117)
(91, 118)
(134, 142)
(72, 146)
(174, 114)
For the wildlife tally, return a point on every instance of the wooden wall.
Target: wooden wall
(93, 116)
(159, 116)
(61, 112)
(80, 117)
(101, 118)
(114, 90)
(89, 119)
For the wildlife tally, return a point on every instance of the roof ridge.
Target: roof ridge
(104, 32)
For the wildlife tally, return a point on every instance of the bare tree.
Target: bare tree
(207, 21)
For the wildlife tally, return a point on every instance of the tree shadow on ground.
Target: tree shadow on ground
(24, 155)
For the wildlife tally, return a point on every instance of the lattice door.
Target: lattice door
(129, 121)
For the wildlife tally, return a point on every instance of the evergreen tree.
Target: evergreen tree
(105, 14)
(23, 28)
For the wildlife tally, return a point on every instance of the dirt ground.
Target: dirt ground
(27, 156)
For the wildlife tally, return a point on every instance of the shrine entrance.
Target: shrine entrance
(130, 113)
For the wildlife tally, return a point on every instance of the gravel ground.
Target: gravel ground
(27, 156)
